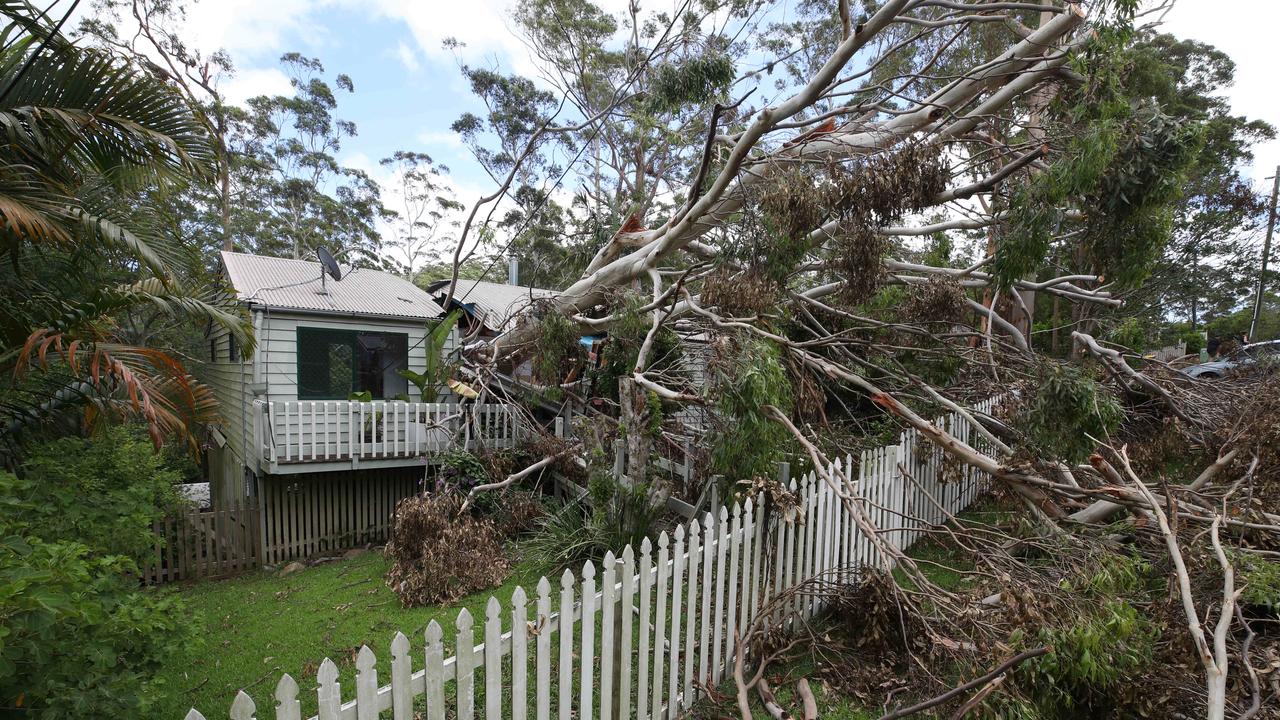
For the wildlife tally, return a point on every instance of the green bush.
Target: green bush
(1260, 579)
(105, 493)
(1092, 658)
(1069, 413)
(609, 518)
(750, 442)
(78, 636)
(1097, 652)
(1130, 334)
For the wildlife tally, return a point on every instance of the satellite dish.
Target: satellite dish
(329, 264)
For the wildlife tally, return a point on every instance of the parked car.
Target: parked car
(1245, 356)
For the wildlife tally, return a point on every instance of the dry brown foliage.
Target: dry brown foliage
(437, 555)
(743, 295)
(516, 512)
(874, 618)
(791, 205)
(938, 299)
(875, 192)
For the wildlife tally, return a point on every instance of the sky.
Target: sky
(408, 89)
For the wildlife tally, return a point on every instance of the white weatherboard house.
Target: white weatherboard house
(319, 413)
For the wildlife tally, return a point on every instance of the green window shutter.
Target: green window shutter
(326, 363)
(332, 364)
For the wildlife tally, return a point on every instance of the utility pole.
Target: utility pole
(1266, 251)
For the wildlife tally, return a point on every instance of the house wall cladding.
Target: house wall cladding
(278, 347)
(312, 514)
(231, 383)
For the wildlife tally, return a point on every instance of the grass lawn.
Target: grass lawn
(260, 626)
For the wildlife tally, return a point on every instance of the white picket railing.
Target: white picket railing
(667, 624)
(293, 431)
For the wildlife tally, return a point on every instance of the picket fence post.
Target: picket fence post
(588, 654)
(607, 635)
(493, 659)
(642, 657)
(565, 628)
(673, 658)
(627, 614)
(519, 654)
(544, 650)
(691, 610)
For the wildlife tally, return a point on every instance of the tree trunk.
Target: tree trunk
(224, 182)
(1057, 322)
(634, 413)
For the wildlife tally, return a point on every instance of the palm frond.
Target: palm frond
(82, 109)
(199, 304)
(129, 380)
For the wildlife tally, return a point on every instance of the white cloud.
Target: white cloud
(440, 138)
(252, 29)
(1249, 43)
(407, 57)
(252, 83)
(485, 27)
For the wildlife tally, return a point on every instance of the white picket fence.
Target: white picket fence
(657, 629)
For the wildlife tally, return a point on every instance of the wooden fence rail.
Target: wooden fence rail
(336, 511)
(641, 633)
(211, 543)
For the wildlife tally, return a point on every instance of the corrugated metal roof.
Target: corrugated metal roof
(295, 284)
(497, 305)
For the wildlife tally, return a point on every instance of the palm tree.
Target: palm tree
(86, 137)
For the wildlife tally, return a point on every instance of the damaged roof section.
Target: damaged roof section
(497, 306)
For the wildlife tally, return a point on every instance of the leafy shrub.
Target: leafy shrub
(1099, 650)
(1130, 333)
(78, 637)
(750, 377)
(460, 471)
(438, 554)
(1261, 581)
(1099, 653)
(1069, 412)
(104, 492)
(613, 516)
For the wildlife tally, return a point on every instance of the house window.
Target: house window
(333, 364)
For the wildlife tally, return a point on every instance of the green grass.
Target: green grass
(260, 626)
